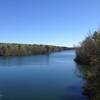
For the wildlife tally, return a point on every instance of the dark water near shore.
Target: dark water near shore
(53, 77)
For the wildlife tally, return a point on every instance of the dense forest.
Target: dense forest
(89, 54)
(13, 49)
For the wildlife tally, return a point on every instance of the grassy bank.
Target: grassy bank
(89, 53)
(13, 49)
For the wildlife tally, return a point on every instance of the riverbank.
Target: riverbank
(89, 54)
(8, 49)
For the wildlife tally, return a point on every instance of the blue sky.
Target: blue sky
(55, 22)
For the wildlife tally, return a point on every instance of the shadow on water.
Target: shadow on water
(84, 71)
(80, 72)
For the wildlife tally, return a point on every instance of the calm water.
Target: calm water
(53, 77)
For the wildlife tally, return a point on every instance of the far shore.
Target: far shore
(14, 49)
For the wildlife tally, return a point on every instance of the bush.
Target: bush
(89, 49)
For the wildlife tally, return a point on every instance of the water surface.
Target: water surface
(43, 77)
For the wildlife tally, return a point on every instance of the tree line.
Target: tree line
(13, 49)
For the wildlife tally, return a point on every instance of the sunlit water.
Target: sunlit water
(53, 77)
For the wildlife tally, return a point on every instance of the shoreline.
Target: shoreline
(14, 49)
